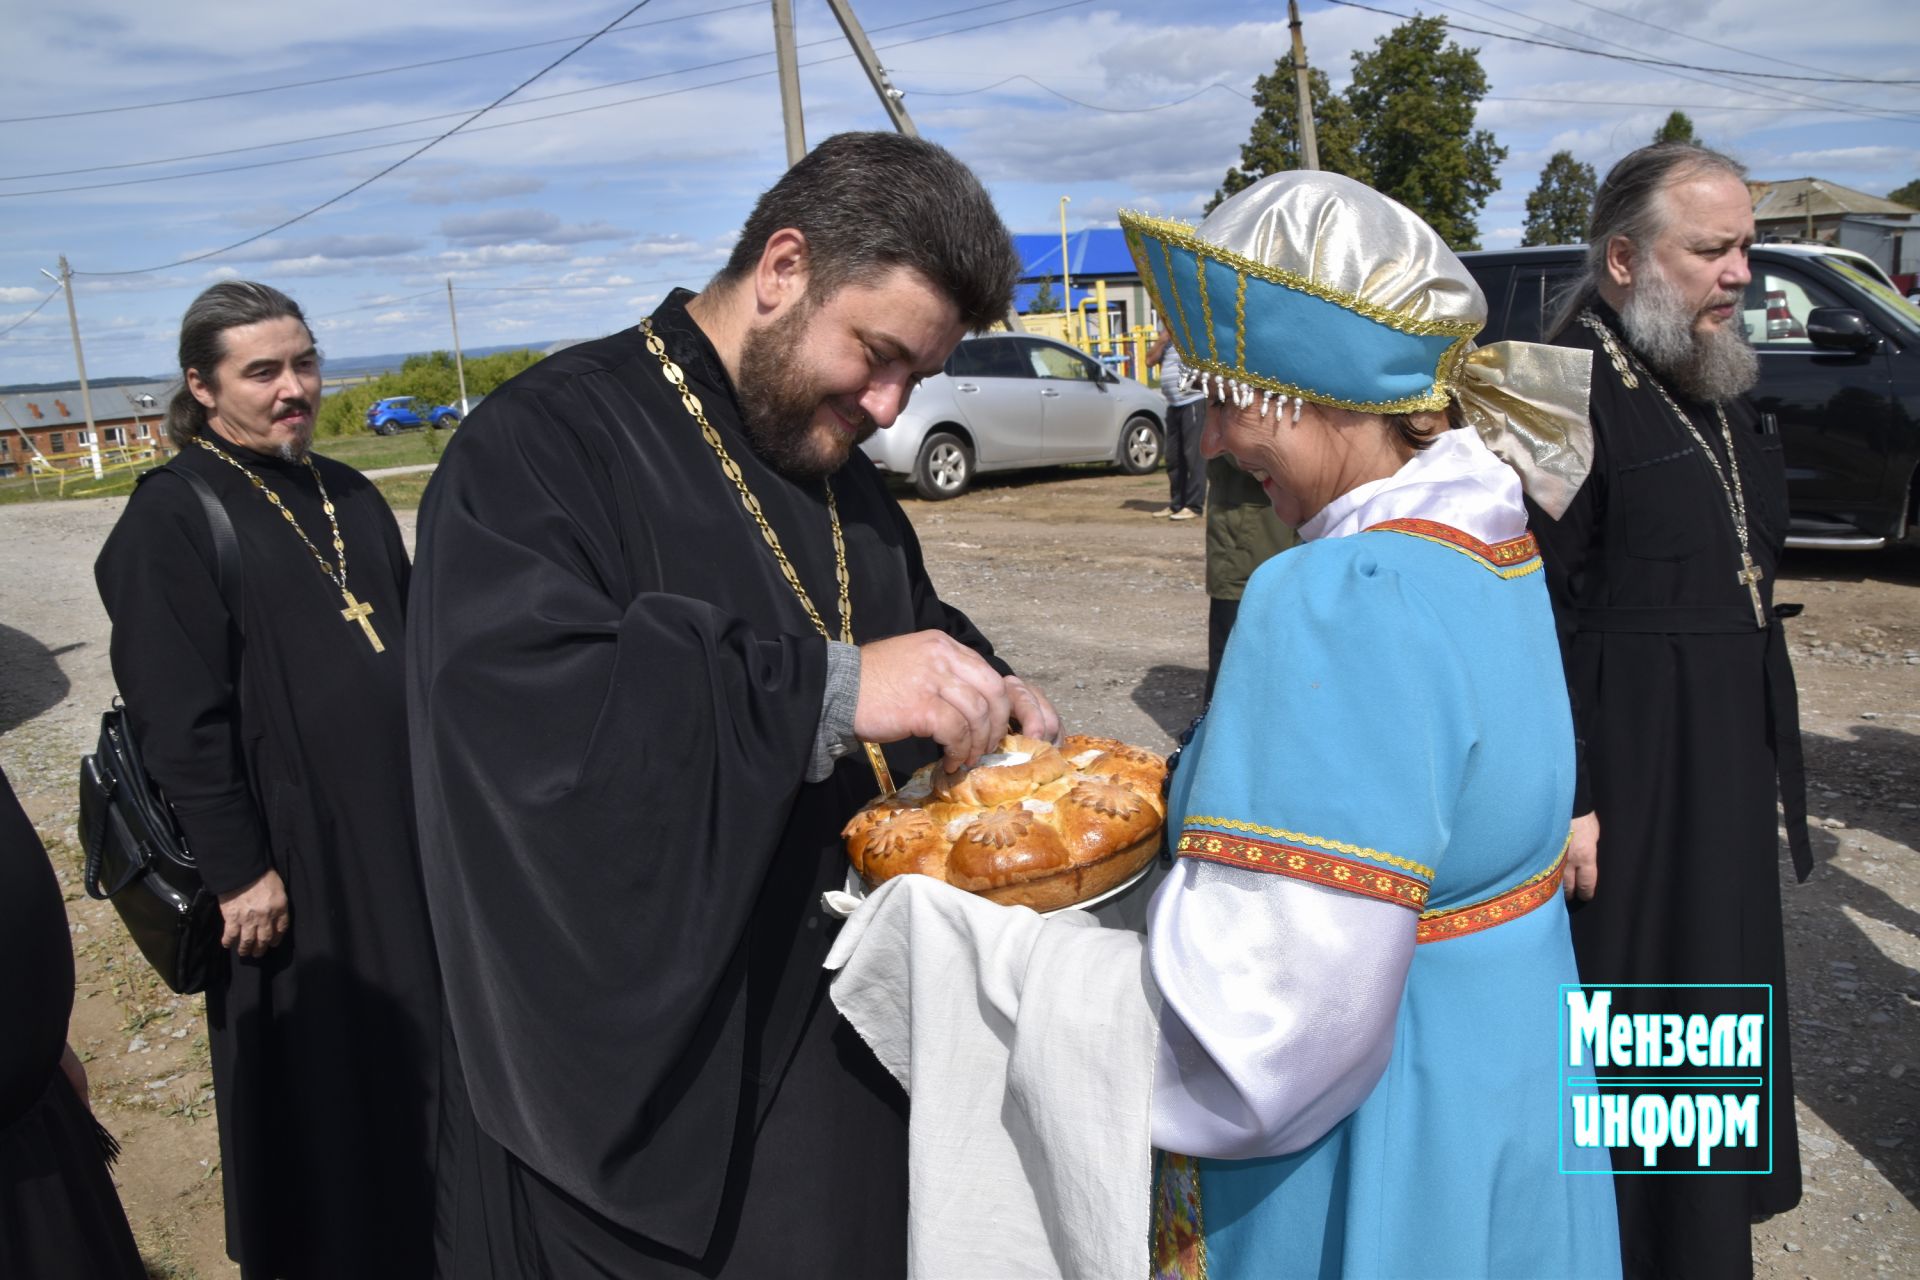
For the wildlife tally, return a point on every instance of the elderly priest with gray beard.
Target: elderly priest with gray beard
(1662, 573)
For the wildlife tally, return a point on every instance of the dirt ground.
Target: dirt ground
(1104, 607)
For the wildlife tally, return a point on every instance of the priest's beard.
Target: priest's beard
(779, 398)
(1710, 364)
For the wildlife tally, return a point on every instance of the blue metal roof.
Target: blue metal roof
(1096, 251)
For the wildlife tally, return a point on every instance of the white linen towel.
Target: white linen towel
(1028, 1047)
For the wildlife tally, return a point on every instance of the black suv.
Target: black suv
(1839, 371)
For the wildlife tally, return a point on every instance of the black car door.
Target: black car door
(1832, 408)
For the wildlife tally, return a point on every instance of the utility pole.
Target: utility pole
(459, 365)
(1309, 145)
(1066, 272)
(890, 98)
(65, 280)
(786, 55)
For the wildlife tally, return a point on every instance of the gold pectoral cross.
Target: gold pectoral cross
(1750, 575)
(357, 611)
(881, 773)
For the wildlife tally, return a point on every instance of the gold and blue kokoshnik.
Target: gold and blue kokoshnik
(1279, 331)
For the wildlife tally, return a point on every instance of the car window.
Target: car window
(1537, 292)
(1906, 313)
(990, 358)
(1050, 361)
(1776, 305)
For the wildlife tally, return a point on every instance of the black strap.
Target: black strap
(228, 572)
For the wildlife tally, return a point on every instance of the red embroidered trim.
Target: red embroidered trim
(1304, 864)
(1499, 555)
(1533, 892)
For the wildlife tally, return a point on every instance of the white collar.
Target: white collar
(1456, 481)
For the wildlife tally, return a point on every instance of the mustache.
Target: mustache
(293, 407)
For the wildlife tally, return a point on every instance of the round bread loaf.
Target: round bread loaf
(1032, 825)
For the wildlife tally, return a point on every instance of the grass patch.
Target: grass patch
(370, 452)
(363, 453)
(403, 492)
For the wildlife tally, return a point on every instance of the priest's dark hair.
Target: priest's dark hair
(1629, 204)
(869, 202)
(203, 343)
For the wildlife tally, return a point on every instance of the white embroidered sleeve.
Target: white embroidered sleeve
(1280, 999)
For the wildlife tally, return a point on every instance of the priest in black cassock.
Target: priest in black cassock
(1662, 577)
(664, 608)
(273, 714)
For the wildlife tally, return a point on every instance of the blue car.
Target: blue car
(397, 413)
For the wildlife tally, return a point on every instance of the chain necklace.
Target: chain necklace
(356, 610)
(731, 469)
(1749, 574)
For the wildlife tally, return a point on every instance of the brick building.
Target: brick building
(53, 424)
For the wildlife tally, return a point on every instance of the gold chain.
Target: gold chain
(338, 577)
(692, 404)
(1733, 490)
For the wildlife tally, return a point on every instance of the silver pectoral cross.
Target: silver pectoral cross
(357, 611)
(1750, 575)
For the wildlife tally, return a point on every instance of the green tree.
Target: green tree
(430, 379)
(1414, 96)
(1045, 300)
(1558, 209)
(1678, 128)
(1273, 146)
(1908, 195)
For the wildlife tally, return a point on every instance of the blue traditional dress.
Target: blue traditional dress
(1391, 725)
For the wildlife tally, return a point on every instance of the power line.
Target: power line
(30, 315)
(384, 172)
(1778, 94)
(1714, 44)
(509, 124)
(1622, 57)
(1090, 106)
(361, 75)
(1662, 106)
(451, 115)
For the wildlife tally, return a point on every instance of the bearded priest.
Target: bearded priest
(1661, 573)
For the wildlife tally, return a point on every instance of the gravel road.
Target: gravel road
(1105, 608)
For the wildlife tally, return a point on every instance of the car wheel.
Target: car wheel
(384, 429)
(945, 468)
(446, 421)
(1139, 445)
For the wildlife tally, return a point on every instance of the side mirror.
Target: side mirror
(1840, 329)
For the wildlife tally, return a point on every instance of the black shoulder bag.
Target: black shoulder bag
(137, 857)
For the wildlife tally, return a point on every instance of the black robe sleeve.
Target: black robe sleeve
(175, 659)
(1568, 548)
(604, 772)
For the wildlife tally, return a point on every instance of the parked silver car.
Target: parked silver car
(1010, 400)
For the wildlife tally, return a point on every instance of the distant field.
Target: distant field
(364, 453)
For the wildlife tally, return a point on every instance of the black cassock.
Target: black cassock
(60, 1218)
(614, 697)
(288, 750)
(1688, 731)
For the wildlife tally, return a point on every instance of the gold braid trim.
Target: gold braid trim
(1240, 327)
(1206, 306)
(1173, 287)
(1171, 232)
(1319, 842)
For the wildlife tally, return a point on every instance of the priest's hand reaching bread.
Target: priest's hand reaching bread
(929, 685)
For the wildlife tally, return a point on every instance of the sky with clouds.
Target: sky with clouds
(571, 208)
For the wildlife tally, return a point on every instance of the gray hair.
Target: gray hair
(1629, 204)
(203, 343)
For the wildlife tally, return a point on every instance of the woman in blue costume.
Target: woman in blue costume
(1340, 1032)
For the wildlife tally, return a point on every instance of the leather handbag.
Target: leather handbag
(136, 856)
